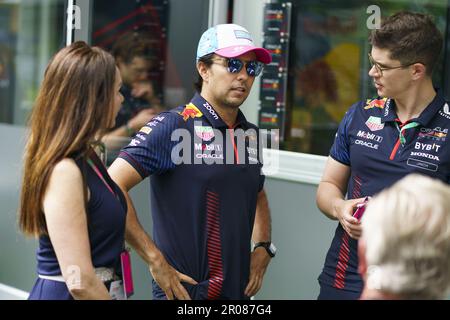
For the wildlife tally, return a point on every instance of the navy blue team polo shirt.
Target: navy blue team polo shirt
(368, 140)
(203, 212)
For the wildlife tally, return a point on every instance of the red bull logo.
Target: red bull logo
(191, 111)
(437, 134)
(375, 103)
(440, 135)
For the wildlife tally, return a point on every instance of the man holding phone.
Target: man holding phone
(381, 140)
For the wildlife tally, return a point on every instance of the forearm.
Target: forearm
(88, 288)
(328, 196)
(116, 139)
(121, 131)
(136, 236)
(262, 228)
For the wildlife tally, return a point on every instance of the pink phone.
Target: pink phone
(126, 273)
(360, 208)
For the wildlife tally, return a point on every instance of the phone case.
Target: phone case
(126, 273)
(360, 208)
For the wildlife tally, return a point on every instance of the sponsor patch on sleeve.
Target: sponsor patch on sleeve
(146, 130)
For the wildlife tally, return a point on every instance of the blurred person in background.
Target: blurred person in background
(135, 58)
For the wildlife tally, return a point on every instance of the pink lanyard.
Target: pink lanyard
(99, 174)
(124, 254)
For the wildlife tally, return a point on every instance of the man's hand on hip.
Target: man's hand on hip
(170, 279)
(259, 260)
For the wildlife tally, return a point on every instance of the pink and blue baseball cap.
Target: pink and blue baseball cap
(230, 41)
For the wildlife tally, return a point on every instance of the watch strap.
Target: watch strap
(265, 245)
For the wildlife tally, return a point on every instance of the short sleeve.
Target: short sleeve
(262, 176)
(262, 179)
(151, 148)
(340, 150)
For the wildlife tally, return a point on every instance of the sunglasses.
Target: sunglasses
(253, 68)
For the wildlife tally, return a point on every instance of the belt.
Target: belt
(104, 274)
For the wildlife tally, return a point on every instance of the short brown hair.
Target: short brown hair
(410, 38)
(208, 61)
(133, 44)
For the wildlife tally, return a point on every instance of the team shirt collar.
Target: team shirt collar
(425, 117)
(213, 117)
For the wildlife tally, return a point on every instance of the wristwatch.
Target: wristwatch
(269, 246)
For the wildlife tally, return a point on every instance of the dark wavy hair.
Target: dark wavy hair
(133, 44)
(410, 38)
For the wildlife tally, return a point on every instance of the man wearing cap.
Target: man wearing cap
(207, 197)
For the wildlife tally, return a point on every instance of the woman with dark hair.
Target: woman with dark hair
(68, 199)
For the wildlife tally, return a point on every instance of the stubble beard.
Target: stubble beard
(233, 103)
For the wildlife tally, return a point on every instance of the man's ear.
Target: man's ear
(362, 265)
(419, 71)
(203, 71)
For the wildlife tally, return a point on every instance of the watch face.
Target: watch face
(272, 248)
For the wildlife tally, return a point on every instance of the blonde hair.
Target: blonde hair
(406, 229)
